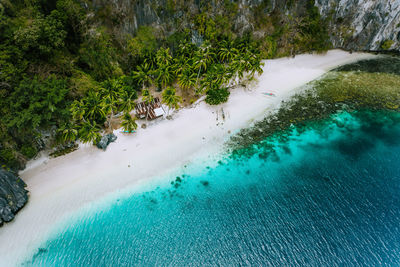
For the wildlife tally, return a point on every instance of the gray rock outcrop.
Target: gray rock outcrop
(106, 140)
(363, 24)
(13, 195)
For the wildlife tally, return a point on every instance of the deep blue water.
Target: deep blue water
(328, 195)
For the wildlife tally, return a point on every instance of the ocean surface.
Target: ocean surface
(326, 194)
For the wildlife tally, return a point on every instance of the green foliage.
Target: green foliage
(144, 44)
(170, 98)
(314, 33)
(143, 75)
(217, 96)
(28, 151)
(128, 123)
(147, 97)
(8, 157)
(89, 132)
(81, 83)
(98, 56)
(41, 34)
(268, 47)
(68, 133)
(386, 45)
(37, 103)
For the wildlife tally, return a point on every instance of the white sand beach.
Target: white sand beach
(61, 186)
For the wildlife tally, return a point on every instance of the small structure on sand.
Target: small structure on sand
(149, 111)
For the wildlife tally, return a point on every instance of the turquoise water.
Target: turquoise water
(326, 194)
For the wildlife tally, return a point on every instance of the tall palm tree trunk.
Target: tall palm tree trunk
(110, 121)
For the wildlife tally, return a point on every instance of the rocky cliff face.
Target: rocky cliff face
(13, 195)
(363, 24)
(354, 24)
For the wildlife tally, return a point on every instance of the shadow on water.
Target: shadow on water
(375, 127)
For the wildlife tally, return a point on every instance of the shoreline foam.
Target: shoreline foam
(61, 186)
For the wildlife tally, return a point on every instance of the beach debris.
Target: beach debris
(106, 140)
(268, 94)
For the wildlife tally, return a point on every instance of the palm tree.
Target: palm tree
(227, 52)
(94, 106)
(219, 74)
(163, 57)
(186, 49)
(127, 100)
(68, 133)
(215, 77)
(128, 123)
(143, 75)
(170, 98)
(147, 96)
(77, 110)
(200, 63)
(111, 98)
(89, 132)
(187, 78)
(111, 108)
(204, 57)
(239, 66)
(112, 89)
(165, 75)
(256, 65)
(182, 63)
(208, 82)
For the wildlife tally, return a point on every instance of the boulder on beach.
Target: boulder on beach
(13, 195)
(106, 140)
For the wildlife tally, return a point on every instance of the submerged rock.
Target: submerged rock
(13, 195)
(106, 140)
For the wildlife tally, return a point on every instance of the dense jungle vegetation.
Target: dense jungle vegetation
(65, 71)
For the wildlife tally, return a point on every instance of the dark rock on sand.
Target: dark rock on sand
(106, 140)
(13, 195)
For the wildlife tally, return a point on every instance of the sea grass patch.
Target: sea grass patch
(336, 91)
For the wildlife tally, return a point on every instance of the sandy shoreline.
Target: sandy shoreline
(61, 186)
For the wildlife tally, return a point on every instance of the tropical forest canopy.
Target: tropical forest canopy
(65, 71)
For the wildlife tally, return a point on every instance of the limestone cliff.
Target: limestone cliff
(353, 24)
(363, 24)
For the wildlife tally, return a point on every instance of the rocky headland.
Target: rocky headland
(13, 195)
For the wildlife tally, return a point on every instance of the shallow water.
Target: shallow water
(329, 194)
